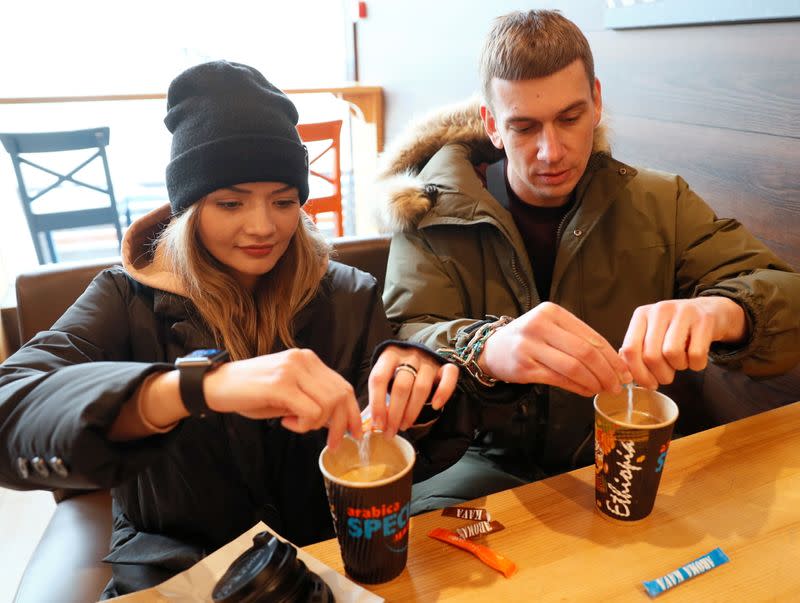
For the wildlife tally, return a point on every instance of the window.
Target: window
(93, 48)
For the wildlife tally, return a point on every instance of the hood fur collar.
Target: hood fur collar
(141, 260)
(404, 197)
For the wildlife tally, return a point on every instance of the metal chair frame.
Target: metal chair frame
(45, 223)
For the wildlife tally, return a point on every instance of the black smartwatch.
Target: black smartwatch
(192, 369)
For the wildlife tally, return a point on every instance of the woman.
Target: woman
(231, 268)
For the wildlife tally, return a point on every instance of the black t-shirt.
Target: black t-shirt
(539, 229)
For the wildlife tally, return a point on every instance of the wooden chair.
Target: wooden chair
(72, 202)
(325, 173)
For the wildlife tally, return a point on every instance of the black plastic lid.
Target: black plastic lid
(269, 571)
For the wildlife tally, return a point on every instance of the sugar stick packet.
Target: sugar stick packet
(694, 568)
(484, 553)
(480, 528)
(470, 513)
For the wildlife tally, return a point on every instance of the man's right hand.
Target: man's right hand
(550, 345)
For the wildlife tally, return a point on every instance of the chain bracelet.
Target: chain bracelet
(468, 355)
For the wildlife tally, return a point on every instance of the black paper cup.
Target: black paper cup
(630, 451)
(370, 517)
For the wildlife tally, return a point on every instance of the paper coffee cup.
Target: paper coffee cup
(370, 505)
(630, 451)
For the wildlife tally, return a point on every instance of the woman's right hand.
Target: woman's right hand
(294, 385)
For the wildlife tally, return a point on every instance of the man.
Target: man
(518, 210)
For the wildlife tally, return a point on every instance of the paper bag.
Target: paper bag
(196, 583)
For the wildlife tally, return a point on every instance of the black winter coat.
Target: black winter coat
(180, 495)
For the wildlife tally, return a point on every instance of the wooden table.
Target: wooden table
(736, 487)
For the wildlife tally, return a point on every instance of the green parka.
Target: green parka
(633, 237)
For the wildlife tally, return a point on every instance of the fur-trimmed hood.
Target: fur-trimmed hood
(142, 260)
(403, 196)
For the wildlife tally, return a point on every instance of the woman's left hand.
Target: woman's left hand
(416, 375)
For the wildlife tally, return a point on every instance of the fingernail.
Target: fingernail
(617, 388)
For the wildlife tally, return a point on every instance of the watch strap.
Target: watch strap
(191, 388)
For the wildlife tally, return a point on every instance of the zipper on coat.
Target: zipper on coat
(514, 268)
(567, 216)
(560, 232)
(518, 276)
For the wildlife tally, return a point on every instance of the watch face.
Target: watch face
(206, 357)
(210, 353)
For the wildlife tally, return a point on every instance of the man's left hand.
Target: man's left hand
(676, 334)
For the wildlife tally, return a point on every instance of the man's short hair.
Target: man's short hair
(533, 44)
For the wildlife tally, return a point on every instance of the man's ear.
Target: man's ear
(597, 100)
(490, 125)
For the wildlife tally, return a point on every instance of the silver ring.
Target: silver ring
(406, 367)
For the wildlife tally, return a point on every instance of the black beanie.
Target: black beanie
(229, 126)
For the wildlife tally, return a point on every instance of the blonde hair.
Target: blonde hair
(533, 44)
(246, 323)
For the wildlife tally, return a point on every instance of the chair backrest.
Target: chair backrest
(325, 170)
(45, 293)
(71, 212)
(369, 254)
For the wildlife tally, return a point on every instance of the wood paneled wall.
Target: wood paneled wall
(719, 105)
